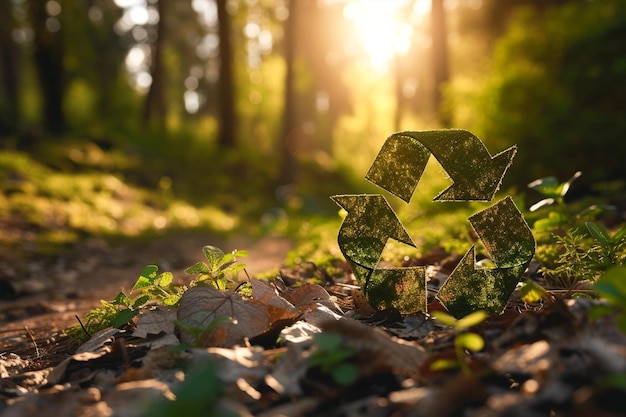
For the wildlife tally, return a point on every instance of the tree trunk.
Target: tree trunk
(9, 101)
(155, 106)
(226, 93)
(440, 57)
(48, 55)
(290, 125)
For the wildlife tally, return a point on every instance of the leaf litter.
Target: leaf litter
(259, 353)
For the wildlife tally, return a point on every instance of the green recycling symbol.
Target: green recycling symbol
(476, 176)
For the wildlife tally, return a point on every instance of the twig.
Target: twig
(32, 339)
(82, 326)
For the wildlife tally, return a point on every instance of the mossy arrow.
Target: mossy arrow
(476, 175)
(511, 249)
(362, 237)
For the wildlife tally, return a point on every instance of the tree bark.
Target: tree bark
(48, 56)
(226, 93)
(290, 124)
(9, 97)
(440, 57)
(155, 106)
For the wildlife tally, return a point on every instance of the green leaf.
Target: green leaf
(123, 317)
(171, 300)
(165, 279)
(444, 365)
(472, 319)
(121, 299)
(141, 301)
(214, 255)
(619, 235)
(327, 341)
(547, 187)
(147, 277)
(612, 285)
(198, 268)
(150, 272)
(345, 373)
(444, 318)
(599, 234)
(470, 341)
(531, 292)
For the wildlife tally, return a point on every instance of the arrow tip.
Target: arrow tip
(483, 183)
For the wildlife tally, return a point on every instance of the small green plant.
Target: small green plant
(611, 286)
(333, 358)
(463, 339)
(218, 267)
(158, 288)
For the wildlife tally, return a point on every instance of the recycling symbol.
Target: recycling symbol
(476, 176)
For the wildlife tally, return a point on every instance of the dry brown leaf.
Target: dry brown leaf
(282, 312)
(155, 321)
(225, 316)
(377, 350)
(307, 296)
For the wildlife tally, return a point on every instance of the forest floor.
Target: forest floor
(545, 359)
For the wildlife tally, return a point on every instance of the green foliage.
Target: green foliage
(158, 288)
(612, 287)
(333, 358)
(571, 246)
(557, 86)
(463, 340)
(198, 395)
(218, 267)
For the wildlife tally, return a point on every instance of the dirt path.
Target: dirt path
(80, 279)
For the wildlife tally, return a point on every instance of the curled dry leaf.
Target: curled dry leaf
(308, 296)
(155, 321)
(282, 312)
(222, 318)
(379, 352)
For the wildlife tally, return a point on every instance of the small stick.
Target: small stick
(32, 339)
(81, 325)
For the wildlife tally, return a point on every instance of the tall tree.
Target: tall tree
(226, 92)
(48, 56)
(155, 105)
(439, 56)
(290, 124)
(9, 102)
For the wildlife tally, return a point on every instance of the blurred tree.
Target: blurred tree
(48, 57)
(155, 106)
(9, 95)
(290, 123)
(226, 92)
(439, 49)
(558, 90)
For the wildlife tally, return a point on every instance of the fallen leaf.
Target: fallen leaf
(308, 296)
(155, 321)
(205, 308)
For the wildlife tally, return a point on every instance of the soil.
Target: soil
(53, 294)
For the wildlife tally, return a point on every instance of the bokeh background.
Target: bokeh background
(138, 116)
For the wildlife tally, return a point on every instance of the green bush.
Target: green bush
(557, 89)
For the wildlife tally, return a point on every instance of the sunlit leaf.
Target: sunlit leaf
(444, 365)
(471, 320)
(547, 186)
(470, 341)
(165, 279)
(214, 255)
(531, 292)
(198, 268)
(444, 318)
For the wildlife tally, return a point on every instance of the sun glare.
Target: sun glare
(381, 29)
